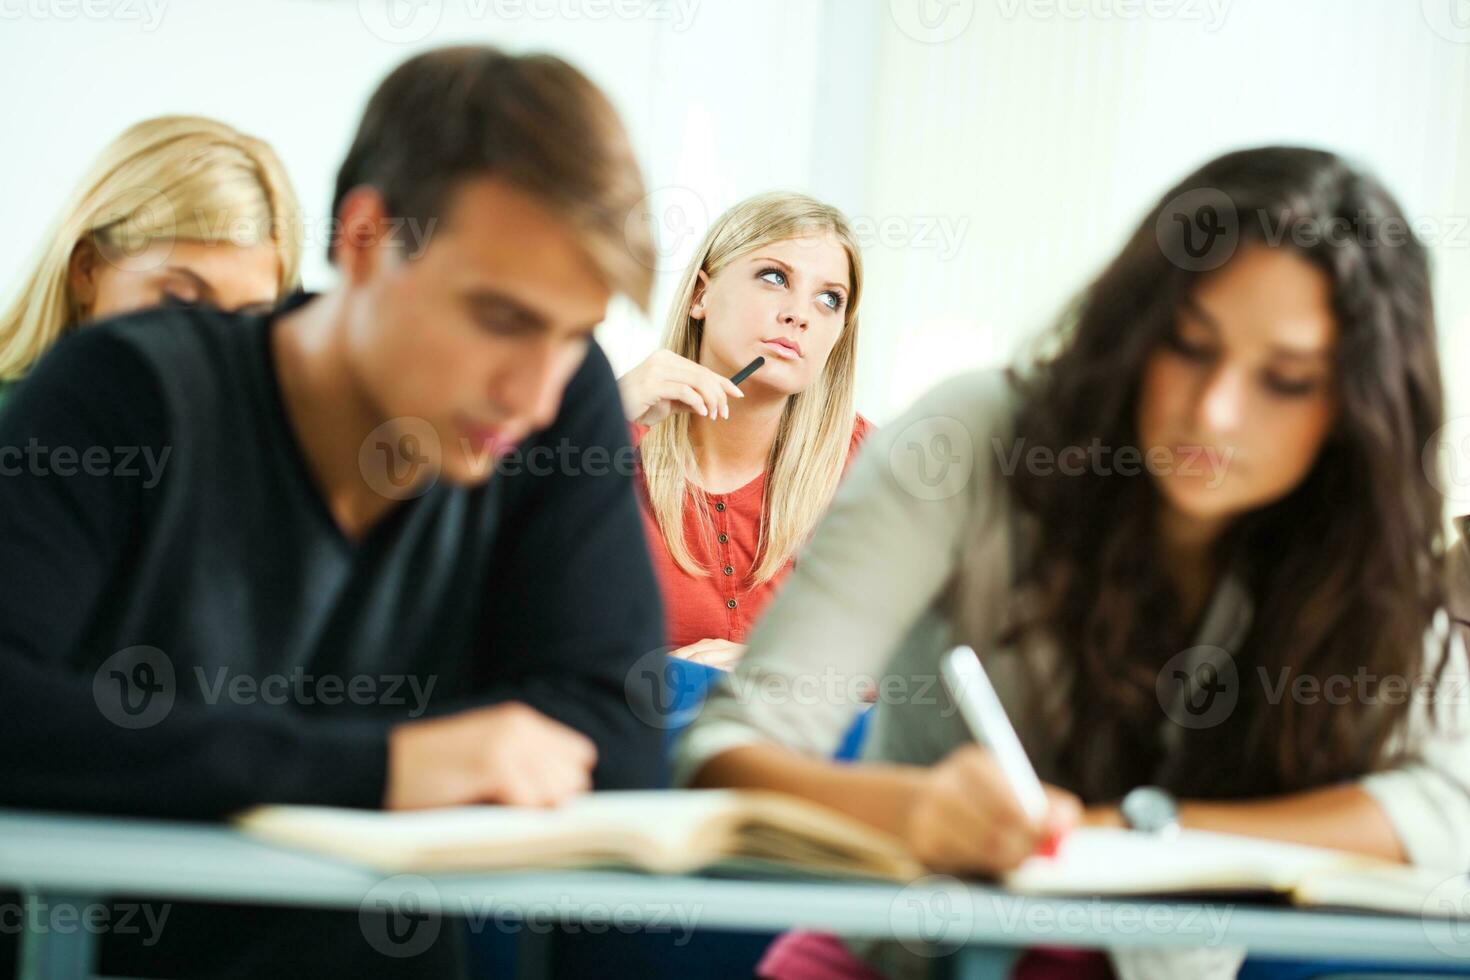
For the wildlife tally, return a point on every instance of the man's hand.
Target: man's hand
(507, 753)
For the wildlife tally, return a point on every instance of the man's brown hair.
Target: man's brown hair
(533, 120)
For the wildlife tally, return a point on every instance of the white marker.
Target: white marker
(981, 708)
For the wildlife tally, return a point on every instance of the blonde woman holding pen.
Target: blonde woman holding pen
(733, 479)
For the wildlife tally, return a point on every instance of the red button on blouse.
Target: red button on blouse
(718, 605)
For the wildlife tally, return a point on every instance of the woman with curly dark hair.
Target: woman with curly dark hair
(1194, 545)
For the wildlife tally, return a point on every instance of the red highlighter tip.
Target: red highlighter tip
(1050, 845)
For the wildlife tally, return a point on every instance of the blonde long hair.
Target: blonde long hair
(815, 431)
(170, 178)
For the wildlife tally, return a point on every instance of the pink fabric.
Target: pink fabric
(822, 956)
(716, 606)
(812, 956)
(1057, 964)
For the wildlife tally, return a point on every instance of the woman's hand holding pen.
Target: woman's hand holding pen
(965, 817)
(665, 383)
(712, 652)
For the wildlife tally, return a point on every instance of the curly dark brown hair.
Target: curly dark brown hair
(1346, 572)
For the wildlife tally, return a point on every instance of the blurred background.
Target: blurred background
(991, 153)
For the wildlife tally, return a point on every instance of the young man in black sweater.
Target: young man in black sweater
(378, 548)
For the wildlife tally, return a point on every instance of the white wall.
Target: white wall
(1045, 137)
(992, 152)
(721, 97)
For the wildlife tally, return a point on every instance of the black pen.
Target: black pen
(746, 371)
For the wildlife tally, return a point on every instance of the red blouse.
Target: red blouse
(717, 606)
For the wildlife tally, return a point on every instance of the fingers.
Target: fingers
(684, 394)
(505, 753)
(551, 782)
(730, 656)
(543, 787)
(710, 387)
(537, 761)
(968, 818)
(720, 654)
(951, 834)
(980, 838)
(655, 414)
(715, 390)
(1010, 834)
(578, 749)
(958, 850)
(711, 652)
(1065, 812)
(690, 652)
(987, 785)
(635, 388)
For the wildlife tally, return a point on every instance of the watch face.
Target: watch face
(1149, 809)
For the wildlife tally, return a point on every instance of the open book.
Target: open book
(687, 830)
(660, 831)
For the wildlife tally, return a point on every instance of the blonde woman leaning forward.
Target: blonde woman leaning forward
(178, 207)
(732, 480)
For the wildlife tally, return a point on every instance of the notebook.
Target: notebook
(1096, 861)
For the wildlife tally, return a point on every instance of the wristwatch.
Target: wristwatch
(1151, 810)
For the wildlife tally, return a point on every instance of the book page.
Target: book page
(1408, 890)
(641, 825)
(1105, 861)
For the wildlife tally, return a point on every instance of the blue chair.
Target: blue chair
(685, 686)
